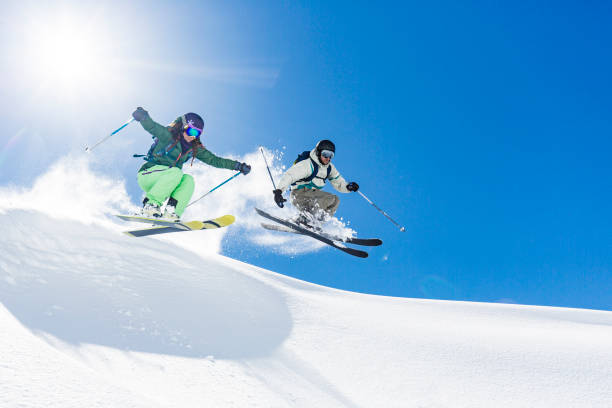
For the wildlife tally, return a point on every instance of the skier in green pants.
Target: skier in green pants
(161, 176)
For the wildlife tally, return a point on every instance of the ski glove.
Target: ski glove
(352, 186)
(243, 167)
(278, 198)
(139, 114)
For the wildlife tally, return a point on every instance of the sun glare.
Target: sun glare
(65, 55)
(68, 53)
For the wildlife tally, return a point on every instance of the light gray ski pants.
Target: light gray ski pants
(312, 200)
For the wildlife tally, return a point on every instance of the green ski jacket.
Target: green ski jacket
(175, 157)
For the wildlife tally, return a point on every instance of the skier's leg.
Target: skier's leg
(159, 182)
(183, 192)
(314, 205)
(313, 200)
(302, 200)
(327, 202)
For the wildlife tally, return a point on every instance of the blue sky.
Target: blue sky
(482, 127)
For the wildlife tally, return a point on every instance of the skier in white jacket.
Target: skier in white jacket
(307, 177)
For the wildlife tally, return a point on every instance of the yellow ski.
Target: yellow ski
(215, 223)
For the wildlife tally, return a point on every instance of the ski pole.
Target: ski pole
(267, 167)
(89, 149)
(193, 202)
(402, 229)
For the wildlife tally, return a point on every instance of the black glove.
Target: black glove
(139, 114)
(278, 198)
(352, 186)
(243, 167)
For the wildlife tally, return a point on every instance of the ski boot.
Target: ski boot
(308, 221)
(170, 210)
(150, 209)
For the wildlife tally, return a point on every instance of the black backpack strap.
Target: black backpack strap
(149, 156)
(315, 167)
(315, 171)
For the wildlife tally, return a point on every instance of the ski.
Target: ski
(348, 240)
(155, 221)
(215, 223)
(312, 234)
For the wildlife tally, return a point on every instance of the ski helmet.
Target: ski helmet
(325, 145)
(193, 120)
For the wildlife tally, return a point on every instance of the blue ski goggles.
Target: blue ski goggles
(192, 131)
(328, 154)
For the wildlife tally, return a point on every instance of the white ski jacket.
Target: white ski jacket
(304, 169)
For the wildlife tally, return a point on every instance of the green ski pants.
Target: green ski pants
(161, 182)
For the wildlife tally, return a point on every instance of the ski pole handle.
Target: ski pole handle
(402, 229)
(267, 167)
(89, 149)
(193, 202)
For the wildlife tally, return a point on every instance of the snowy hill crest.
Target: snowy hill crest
(91, 317)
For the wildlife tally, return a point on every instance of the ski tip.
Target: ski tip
(228, 218)
(359, 254)
(218, 222)
(224, 220)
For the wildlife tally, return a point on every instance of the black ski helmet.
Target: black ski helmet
(325, 145)
(193, 120)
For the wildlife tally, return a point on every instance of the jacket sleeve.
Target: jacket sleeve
(156, 130)
(209, 158)
(337, 180)
(296, 172)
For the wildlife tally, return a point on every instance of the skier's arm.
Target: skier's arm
(298, 171)
(209, 158)
(337, 181)
(156, 130)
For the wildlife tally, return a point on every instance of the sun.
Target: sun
(67, 52)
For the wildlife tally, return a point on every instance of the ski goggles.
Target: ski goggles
(192, 131)
(328, 154)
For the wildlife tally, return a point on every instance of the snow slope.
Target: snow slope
(92, 318)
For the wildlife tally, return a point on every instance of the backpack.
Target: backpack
(150, 157)
(305, 155)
